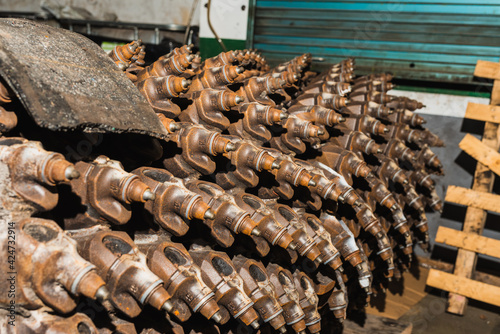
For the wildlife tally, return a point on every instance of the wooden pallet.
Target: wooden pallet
(479, 199)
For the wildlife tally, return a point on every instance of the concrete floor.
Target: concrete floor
(429, 316)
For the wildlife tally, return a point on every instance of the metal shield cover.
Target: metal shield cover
(66, 81)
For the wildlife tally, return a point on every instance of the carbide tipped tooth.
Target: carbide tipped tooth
(209, 214)
(148, 195)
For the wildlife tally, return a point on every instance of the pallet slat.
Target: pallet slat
(481, 152)
(475, 218)
(487, 69)
(472, 198)
(483, 112)
(448, 268)
(463, 286)
(468, 241)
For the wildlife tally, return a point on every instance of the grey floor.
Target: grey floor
(459, 168)
(429, 316)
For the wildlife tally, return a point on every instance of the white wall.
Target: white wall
(150, 11)
(228, 17)
(441, 104)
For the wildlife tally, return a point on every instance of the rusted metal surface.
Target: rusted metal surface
(34, 172)
(130, 282)
(51, 273)
(308, 301)
(65, 81)
(227, 217)
(219, 274)
(314, 199)
(260, 289)
(198, 145)
(173, 202)
(107, 191)
(182, 277)
(208, 108)
(45, 322)
(288, 297)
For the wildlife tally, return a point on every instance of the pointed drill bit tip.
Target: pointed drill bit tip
(386, 130)
(379, 150)
(390, 111)
(239, 70)
(342, 119)
(256, 232)
(238, 99)
(321, 132)
(394, 207)
(367, 289)
(174, 127)
(230, 147)
(283, 115)
(209, 214)
(168, 306)
(405, 182)
(318, 261)
(122, 66)
(71, 173)
(217, 317)
(190, 58)
(148, 195)
(102, 294)
(282, 329)
(275, 165)
(312, 183)
(255, 324)
(185, 83)
(389, 279)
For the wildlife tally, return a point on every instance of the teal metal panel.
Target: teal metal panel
(438, 40)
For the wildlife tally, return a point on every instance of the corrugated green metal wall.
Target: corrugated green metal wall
(418, 39)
